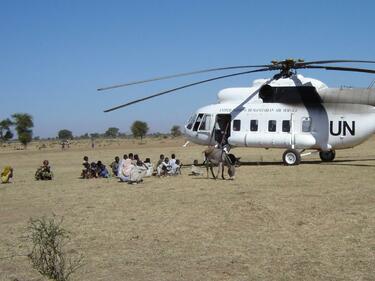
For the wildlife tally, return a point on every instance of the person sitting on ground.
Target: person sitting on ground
(85, 160)
(7, 174)
(138, 172)
(150, 167)
(101, 170)
(175, 167)
(86, 172)
(137, 161)
(93, 170)
(131, 157)
(125, 169)
(115, 166)
(121, 163)
(164, 168)
(44, 172)
(172, 161)
(161, 160)
(195, 170)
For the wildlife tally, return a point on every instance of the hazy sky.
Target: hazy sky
(54, 54)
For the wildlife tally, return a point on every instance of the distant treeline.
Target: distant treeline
(23, 124)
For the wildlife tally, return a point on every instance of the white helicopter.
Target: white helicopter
(288, 111)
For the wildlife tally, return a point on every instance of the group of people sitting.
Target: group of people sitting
(93, 169)
(132, 169)
(168, 167)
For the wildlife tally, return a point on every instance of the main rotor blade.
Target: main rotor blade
(340, 68)
(186, 86)
(181, 75)
(332, 61)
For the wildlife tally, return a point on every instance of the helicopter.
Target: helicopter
(288, 111)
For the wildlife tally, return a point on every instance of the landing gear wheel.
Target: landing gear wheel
(291, 157)
(327, 156)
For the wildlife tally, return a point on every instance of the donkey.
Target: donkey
(217, 157)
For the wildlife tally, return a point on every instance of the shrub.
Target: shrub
(48, 255)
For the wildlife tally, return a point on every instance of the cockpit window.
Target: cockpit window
(191, 122)
(198, 121)
(206, 123)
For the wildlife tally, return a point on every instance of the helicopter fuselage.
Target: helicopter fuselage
(291, 113)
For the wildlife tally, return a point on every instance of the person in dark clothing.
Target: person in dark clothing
(101, 170)
(44, 172)
(115, 166)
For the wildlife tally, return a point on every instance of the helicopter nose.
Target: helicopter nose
(186, 131)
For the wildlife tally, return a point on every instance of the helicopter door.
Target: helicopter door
(303, 137)
(222, 128)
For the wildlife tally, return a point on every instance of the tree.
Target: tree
(23, 123)
(5, 133)
(139, 129)
(112, 132)
(25, 137)
(176, 131)
(65, 134)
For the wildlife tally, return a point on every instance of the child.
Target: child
(195, 171)
(86, 172)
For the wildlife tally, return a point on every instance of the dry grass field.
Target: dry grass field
(310, 222)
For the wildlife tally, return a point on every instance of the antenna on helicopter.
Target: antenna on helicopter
(286, 69)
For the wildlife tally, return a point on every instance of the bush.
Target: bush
(48, 241)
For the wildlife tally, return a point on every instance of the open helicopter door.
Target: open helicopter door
(222, 130)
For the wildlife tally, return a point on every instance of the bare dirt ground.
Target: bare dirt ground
(315, 221)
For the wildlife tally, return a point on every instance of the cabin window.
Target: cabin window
(191, 122)
(206, 123)
(253, 125)
(198, 121)
(236, 125)
(306, 124)
(286, 126)
(272, 126)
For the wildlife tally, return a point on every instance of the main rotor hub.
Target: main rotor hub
(286, 67)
